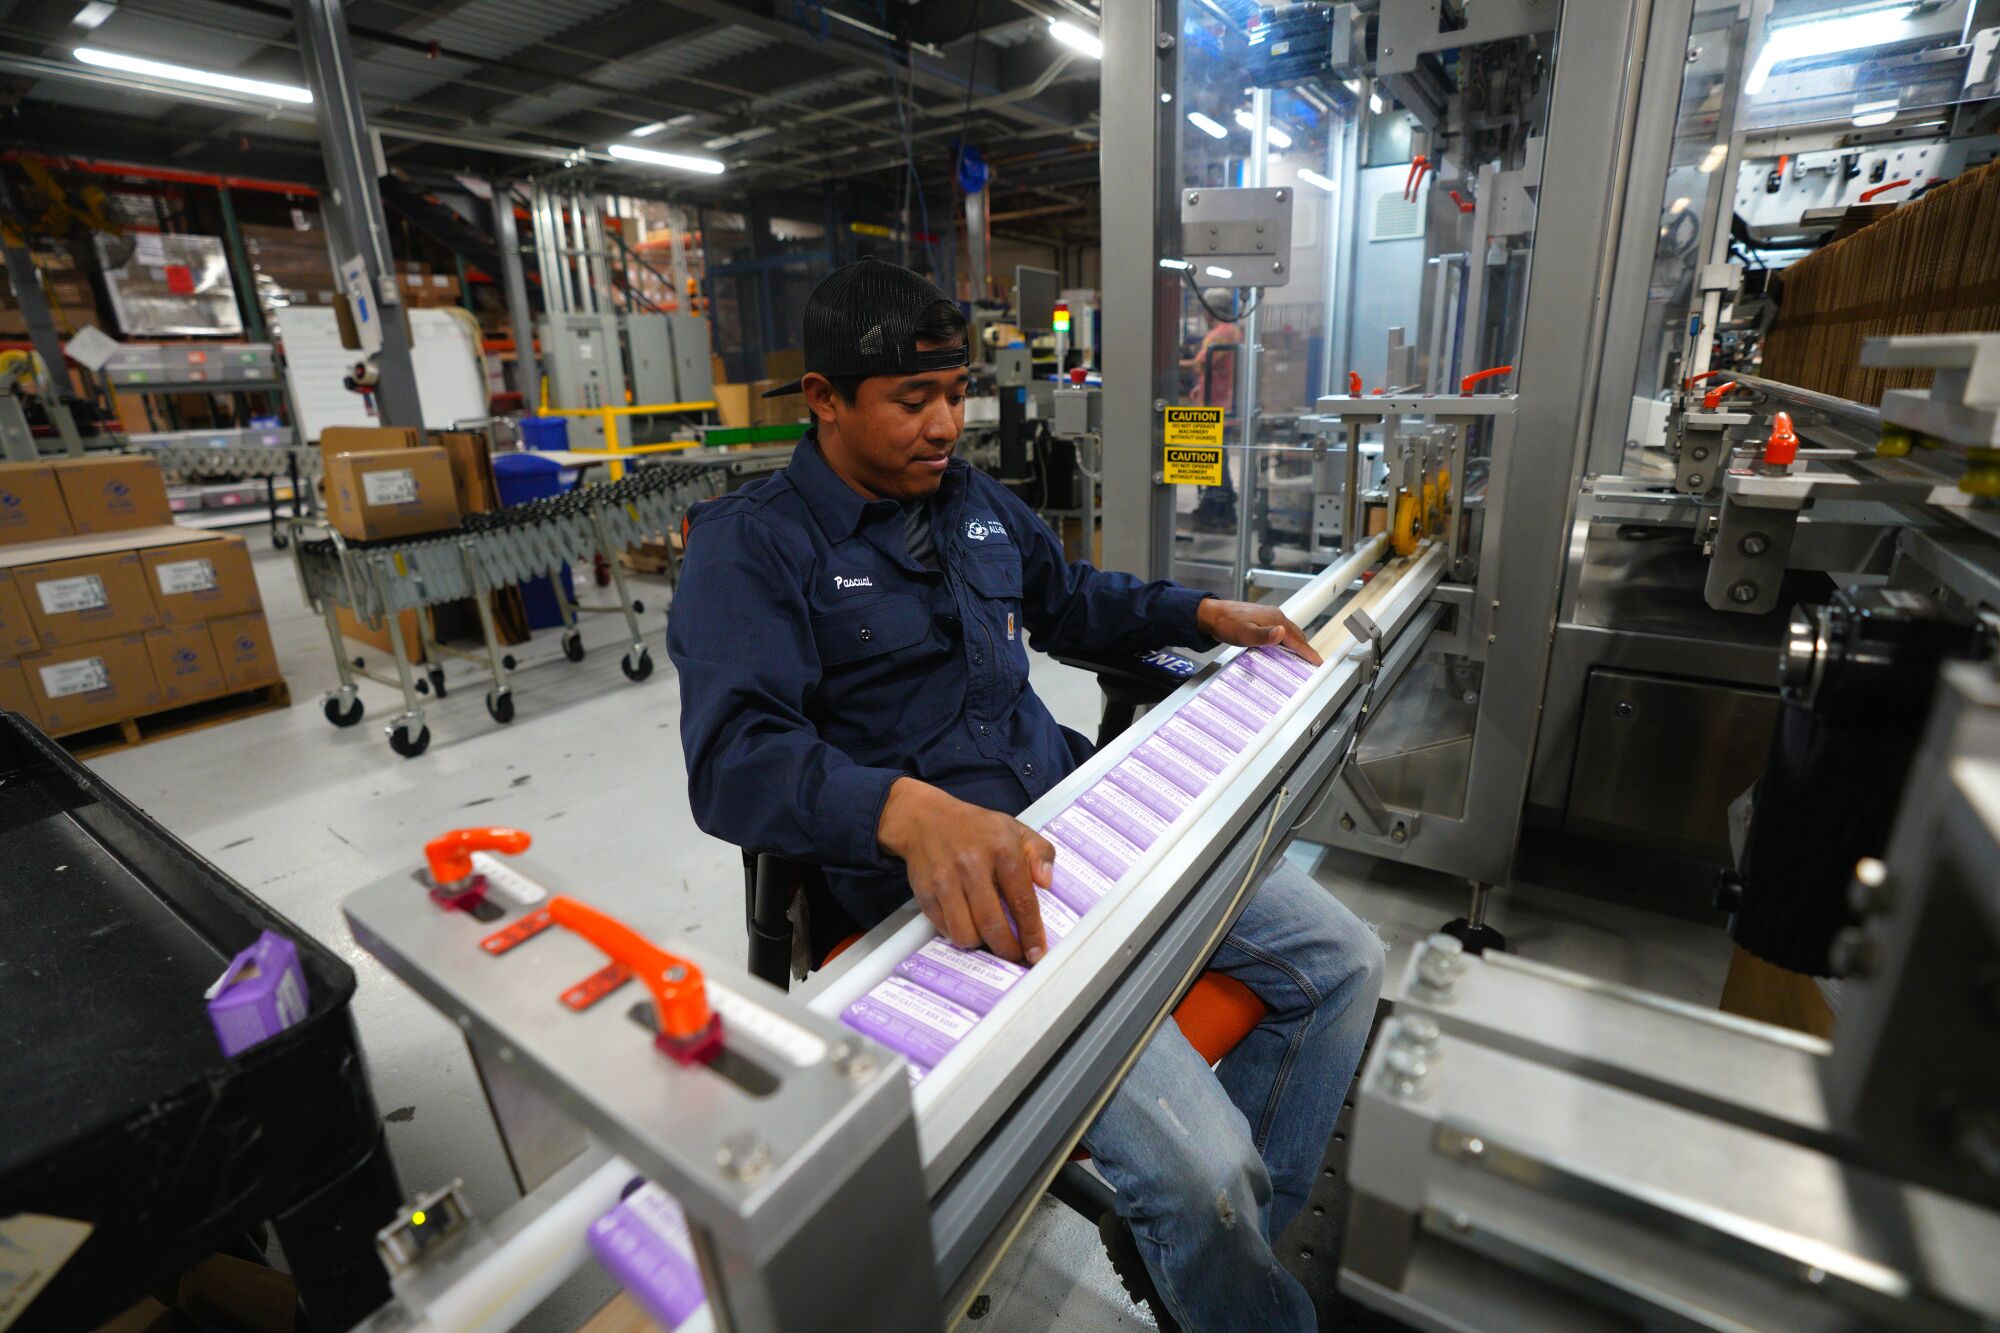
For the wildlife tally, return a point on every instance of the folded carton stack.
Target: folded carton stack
(292, 264)
(108, 612)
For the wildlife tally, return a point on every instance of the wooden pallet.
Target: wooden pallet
(179, 721)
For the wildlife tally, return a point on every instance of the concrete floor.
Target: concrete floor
(302, 814)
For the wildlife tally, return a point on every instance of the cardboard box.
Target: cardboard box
(391, 493)
(351, 627)
(31, 504)
(471, 469)
(113, 494)
(15, 696)
(260, 994)
(92, 684)
(17, 632)
(199, 581)
(89, 597)
(243, 646)
(718, 370)
(732, 404)
(184, 664)
(775, 411)
(786, 365)
(337, 440)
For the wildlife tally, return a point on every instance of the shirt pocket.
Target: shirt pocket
(878, 626)
(879, 681)
(995, 581)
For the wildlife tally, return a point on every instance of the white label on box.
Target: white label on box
(85, 592)
(79, 677)
(184, 576)
(395, 487)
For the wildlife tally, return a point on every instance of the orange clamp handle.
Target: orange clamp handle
(1713, 398)
(1419, 167)
(680, 998)
(1464, 205)
(1465, 385)
(1884, 188)
(1693, 380)
(1354, 383)
(451, 854)
(1783, 446)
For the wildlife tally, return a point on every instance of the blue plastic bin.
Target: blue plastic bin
(524, 477)
(545, 432)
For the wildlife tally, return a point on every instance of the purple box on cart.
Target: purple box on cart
(260, 994)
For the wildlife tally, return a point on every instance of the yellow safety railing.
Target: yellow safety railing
(609, 417)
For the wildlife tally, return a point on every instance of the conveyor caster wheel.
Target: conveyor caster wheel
(573, 646)
(500, 705)
(437, 682)
(638, 607)
(1476, 939)
(279, 541)
(638, 664)
(337, 715)
(422, 685)
(601, 568)
(508, 661)
(406, 745)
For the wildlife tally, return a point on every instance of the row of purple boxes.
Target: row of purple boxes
(937, 994)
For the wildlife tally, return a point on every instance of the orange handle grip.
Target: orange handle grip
(680, 999)
(450, 855)
(1713, 398)
(1465, 385)
(1884, 188)
(1464, 205)
(1693, 380)
(1783, 446)
(1419, 166)
(1354, 383)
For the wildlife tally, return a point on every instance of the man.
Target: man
(851, 641)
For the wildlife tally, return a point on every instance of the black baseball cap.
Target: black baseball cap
(862, 320)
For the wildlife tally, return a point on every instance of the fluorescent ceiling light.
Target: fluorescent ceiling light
(1276, 137)
(1214, 272)
(1714, 158)
(1824, 37)
(200, 78)
(744, 136)
(647, 131)
(1076, 38)
(1375, 103)
(93, 14)
(1311, 177)
(1680, 206)
(625, 152)
(1207, 126)
(1869, 114)
(1181, 264)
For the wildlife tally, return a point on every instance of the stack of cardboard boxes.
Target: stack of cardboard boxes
(739, 405)
(108, 612)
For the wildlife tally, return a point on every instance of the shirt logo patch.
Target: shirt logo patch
(843, 582)
(979, 529)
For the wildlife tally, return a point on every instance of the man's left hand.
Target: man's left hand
(1248, 624)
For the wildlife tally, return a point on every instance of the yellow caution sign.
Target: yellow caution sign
(1192, 425)
(1193, 464)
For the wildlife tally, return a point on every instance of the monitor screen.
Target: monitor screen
(1035, 298)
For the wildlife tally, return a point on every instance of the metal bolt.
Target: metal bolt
(1440, 961)
(1870, 892)
(1699, 453)
(1159, 404)
(743, 1157)
(1853, 953)
(1409, 1056)
(1193, 198)
(678, 972)
(1165, 41)
(1623, 708)
(1695, 479)
(1399, 835)
(852, 1060)
(1347, 823)
(1279, 195)
(1743, 591)
(1754, 544)
(1277, 266)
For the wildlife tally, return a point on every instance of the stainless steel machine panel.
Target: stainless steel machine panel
(585, 370)
(694, 380)
(1659, 760)
(649, 352)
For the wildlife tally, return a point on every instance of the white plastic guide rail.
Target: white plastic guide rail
(966, 1090)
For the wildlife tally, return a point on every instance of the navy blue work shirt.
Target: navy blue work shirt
(819, 663)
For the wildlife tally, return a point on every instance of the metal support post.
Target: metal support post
(34, 307)
(1140, 369)
(245, 277)
(350, 159)
(413, 712)
(527, 369)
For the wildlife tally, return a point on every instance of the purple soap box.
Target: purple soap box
(644, 1243)
(259, 995)
(909, 1019)
(971, 978)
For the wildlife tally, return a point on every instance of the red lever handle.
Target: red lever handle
(1884, 188)
(1713, 398)
(1693, 380)
(1354, 383)
(1465, 385)
(451, 855)
(689, 1029)
(1419, 166)
(1464, 205)
(1783, 446)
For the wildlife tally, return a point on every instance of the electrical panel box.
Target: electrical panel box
(649, 352)
(1013, 367)
(1079, 411)
(586, 369)
(693, 378)
(1237, 237)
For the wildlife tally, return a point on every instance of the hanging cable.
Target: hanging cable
(1244, 313)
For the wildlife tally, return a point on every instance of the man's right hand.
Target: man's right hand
(964, 861)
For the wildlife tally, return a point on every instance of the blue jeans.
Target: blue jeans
(1210, 1165)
